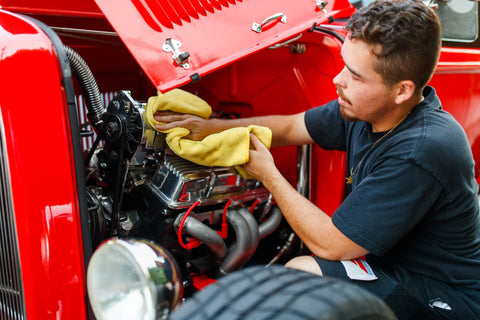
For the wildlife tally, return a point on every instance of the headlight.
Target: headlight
(132, 279)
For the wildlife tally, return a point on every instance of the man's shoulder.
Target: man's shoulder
(441, 130)
(432, 139)
(436, 142)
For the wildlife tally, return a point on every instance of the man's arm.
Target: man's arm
(311, 224)
(286, 129)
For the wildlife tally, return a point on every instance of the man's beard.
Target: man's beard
(346, 116)
(342, 108)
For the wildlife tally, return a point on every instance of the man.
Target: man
(412, 209)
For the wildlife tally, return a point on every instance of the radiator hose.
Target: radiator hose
(89, 86)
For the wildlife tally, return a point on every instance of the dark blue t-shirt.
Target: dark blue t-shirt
(413, 202)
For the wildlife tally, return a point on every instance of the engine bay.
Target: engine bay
(211, 219)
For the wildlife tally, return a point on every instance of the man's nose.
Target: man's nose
(338, 80)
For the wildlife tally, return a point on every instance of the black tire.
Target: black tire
(277, 292)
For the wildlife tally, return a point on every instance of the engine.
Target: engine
(210, 219)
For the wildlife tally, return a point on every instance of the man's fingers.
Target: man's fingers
(165, 126)
(169, 117)
(257, 144)
(170, 121)
(165, 113)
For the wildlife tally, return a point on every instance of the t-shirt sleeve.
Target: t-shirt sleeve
(386, 205)
(326, 126)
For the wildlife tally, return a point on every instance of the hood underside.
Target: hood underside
(178, 41)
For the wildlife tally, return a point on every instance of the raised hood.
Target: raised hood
(178, 41)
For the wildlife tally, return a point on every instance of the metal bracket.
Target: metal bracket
(321, 4)
(257, 27)
(180, 58)
(282, 44)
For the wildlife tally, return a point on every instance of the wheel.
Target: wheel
(277, 292)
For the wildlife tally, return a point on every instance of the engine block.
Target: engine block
(179, 183)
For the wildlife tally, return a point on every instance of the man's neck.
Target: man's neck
(397, 117)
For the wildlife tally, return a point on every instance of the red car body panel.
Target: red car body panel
(457, 81)
(303, 76)
(217, 21)
(69, 8)
(244, 77)
(45, 197)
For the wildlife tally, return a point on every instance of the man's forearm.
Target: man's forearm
(286, 129)
(312, 225)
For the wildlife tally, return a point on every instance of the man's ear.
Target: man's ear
(404, 91)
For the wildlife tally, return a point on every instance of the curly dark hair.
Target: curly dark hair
(408, 32)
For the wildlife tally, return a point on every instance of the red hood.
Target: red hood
(178, 41)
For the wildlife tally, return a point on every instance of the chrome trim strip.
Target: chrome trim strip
(85, 31)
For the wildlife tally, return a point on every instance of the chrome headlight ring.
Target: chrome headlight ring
(133, 279)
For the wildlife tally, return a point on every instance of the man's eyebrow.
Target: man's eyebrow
(356, 74)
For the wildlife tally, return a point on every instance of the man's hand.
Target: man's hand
(199, 127)
(261, 163)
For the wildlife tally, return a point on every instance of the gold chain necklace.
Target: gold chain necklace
(354, 171)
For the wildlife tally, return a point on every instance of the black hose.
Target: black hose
(331, 33)
(101, 136)
(89, 86)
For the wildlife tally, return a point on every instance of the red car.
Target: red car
(82, 188)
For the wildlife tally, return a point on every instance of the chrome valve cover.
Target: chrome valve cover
(179, 183)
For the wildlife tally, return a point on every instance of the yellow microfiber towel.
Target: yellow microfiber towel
(227, 148)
